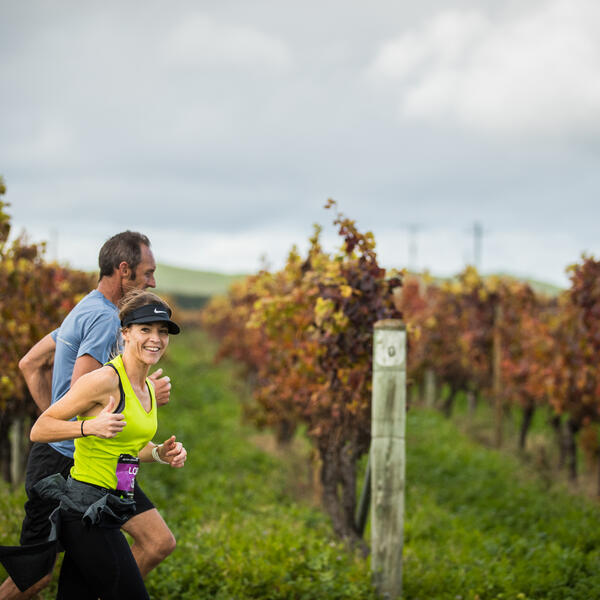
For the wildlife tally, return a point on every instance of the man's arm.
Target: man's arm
(84, 364)
(36, 367)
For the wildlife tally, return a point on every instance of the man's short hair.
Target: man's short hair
(124, 246)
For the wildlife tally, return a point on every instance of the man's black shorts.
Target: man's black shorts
(43, 461)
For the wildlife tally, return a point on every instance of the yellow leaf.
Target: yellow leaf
(346, 291)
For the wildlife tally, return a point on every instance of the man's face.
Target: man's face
(144, 274)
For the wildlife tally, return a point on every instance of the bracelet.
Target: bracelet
(156, 457)
(82, 434)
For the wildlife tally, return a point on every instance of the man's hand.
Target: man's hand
(162, 387)
(107, 424)
(173, 452)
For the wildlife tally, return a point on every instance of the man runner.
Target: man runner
(88, 337)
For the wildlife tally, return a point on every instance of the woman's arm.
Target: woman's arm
(93, 391)
(169, 451)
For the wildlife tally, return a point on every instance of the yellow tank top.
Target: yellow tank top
(96, 458)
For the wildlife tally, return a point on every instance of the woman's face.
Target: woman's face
(147, 341)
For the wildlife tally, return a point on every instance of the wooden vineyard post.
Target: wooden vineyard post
(497, 374)
(430, 388)
(471, 403)
(388, 456)
(17, 442)
(364, 502)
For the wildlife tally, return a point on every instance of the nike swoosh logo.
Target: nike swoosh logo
(160, 311)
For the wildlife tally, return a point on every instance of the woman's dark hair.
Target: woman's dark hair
(124, 246)
(137, 298)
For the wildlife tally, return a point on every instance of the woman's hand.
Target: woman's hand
(173, 452)
(107, 424)
(87, 398)
(162, 387)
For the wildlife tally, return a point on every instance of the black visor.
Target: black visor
(151, 313)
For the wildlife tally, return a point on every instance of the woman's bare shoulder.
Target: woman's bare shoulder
(104, 379)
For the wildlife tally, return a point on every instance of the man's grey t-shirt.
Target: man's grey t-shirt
(92, 327)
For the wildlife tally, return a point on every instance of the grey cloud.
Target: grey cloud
(106, 119)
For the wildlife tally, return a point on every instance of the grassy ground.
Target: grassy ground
(241, 533)
(477, 527)
(541, 453)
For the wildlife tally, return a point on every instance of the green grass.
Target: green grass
(541, 453)
(476, 526)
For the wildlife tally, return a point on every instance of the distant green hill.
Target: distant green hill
(539, 287)
(189, 287)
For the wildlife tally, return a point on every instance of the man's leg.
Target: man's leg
(9, 591)
(152, 539)
(42, 461)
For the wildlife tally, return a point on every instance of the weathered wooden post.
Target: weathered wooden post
(430, 391)
(388, 456)
(497, 374)
(17, 441)
(364, 502)
(471, 403)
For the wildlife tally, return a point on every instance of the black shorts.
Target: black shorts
(43, 461)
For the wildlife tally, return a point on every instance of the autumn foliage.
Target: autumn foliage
(304, 334)
(34, 298)
(498, 340)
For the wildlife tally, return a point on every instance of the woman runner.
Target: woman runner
(116, 419)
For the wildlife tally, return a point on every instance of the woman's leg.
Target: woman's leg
(100, 563)
(72, 583)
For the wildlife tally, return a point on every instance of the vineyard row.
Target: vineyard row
(304, 337)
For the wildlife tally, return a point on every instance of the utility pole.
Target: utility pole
(53, 250)
(413, 250)
(413, 229)
(477, 244)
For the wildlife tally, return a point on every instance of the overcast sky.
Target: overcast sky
(221, 128)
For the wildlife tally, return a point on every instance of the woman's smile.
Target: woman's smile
(148, 339)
